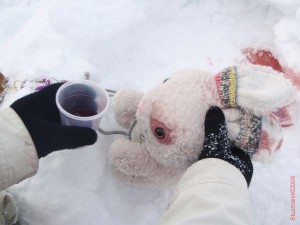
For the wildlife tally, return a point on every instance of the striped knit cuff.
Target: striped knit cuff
(250, 134)
(226, 83)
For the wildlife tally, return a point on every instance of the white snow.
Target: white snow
(286, 31)
(137, 44)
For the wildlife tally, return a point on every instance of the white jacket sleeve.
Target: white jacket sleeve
(211, 192)
(18, 157)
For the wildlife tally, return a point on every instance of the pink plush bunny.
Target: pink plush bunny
(167, 123)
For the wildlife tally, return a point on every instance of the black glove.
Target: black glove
(40, 115)
(217, 145)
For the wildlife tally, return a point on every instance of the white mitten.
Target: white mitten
(257, 91)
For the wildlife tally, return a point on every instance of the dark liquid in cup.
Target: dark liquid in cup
(83, 112)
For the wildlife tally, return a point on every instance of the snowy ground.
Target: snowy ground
(136, 44)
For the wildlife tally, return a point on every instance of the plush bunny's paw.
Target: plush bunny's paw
(132, 158)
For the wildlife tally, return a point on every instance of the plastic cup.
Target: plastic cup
(82, 103)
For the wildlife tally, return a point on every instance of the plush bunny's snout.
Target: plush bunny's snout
(125, 104)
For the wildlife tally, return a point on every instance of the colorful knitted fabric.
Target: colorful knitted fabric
(226, 82)
(250, 133)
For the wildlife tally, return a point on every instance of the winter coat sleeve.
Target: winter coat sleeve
(18, 157)
(211, 192)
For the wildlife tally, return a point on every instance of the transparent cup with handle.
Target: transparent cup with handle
(82, 103)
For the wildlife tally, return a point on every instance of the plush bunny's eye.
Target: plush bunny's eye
(159, 132)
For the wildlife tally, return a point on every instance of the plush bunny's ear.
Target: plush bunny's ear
(256, 89)
(125, 104)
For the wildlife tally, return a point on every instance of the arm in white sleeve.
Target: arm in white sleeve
(18, 157)
(211, 192)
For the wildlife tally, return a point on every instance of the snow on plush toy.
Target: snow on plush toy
(167, 123)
